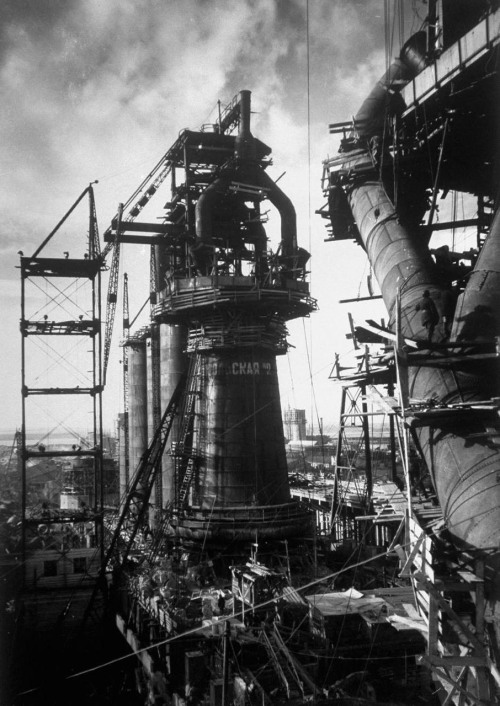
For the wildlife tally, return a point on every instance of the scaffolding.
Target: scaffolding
(61, 359)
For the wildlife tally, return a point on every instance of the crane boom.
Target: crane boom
(141, 196)
(112, 295)
(135, 503)
(136, 500)
(134, 205)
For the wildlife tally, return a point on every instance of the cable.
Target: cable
(309, 366)
(224, 619)
(59, 359)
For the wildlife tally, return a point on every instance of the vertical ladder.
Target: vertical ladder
(125, 334)
(188, 457)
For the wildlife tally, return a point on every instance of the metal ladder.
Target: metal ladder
(196, 385)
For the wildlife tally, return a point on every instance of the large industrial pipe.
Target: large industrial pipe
(384, 97)
(478, 314)
(244, 144)
(460, 450)
(287, 213)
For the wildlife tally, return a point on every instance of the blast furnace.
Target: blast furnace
(220, 302)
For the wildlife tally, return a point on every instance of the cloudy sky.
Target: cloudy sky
(99, 90)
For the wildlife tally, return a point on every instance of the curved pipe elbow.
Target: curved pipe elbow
(287, 213)
(213, 193)
(384, 97)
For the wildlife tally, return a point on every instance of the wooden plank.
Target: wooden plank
(411, 611)
(421, 564)
(469, 577)
(437, 600)
(433, 625)
(493, 670)
(379, 519)
(454, 661)
(449, 698)
(447, 584)
(443, 676)
(422, 600)
(406, 570)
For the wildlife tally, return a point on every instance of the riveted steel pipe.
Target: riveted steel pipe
(460, 450)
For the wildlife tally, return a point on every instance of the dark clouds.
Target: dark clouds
(99, 89)
(87, 73)
(35, 18)
(89, 87)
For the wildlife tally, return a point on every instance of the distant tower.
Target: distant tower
(295, 424)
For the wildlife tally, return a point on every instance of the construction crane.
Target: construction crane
(135, 504)
(140, 198)
(112, 294)
(17, 447)
(128, 212)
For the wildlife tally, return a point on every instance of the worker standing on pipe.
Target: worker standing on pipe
(430, 316)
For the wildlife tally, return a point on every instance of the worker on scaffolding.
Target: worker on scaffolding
(430, 316)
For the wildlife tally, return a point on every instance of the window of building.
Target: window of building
(79, 565)
(50, 568)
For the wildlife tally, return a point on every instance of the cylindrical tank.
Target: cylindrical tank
(173, 365)
(122, 453)
(156, 497)
(295, 424)
(149, 386)
(137, 391)
(154, 411)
